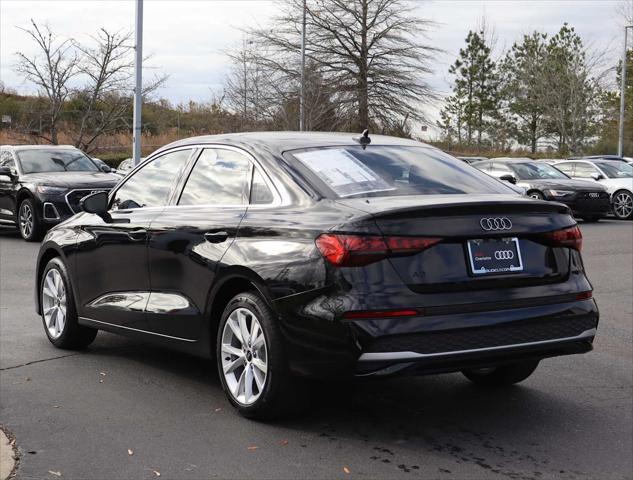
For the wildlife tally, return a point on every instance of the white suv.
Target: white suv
(616, 176)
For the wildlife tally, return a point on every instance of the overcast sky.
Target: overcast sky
(187, 38)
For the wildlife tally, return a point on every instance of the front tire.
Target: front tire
(502, 375)
(251, 360)
(29, 221)
(623, 205)
(59, 314)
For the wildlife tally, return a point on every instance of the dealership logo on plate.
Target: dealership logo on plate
(495, 223)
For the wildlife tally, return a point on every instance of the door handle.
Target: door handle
(137, 235)
(216, 237)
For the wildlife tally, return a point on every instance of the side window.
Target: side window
(6, 159)
(219, 177)
(584, 170)
(499, 169)
(150, 186)
(260, 193)
(483, 166)
(567, 168)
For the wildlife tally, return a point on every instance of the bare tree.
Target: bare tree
(368, 54)
(51, 69)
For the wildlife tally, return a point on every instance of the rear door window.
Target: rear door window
(585, 170)
(219, 177)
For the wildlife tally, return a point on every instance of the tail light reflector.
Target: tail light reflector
(567, 237)
(358, 250)
(584, 295)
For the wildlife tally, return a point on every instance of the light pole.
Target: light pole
(622, 93)
(302, 120)
(138, 88)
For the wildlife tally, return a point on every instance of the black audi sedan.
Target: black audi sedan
(542, 181)
(293, 255)
(41, 185)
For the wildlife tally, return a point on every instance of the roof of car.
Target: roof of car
(514, 159)
(284, 141)
(38, 147)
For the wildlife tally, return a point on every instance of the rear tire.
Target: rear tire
(502, 375)
(59, 313)
(29, 221)
(254, 370)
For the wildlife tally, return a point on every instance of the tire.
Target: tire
(502, 375)
(273, 392)
(623, 205)
(59, 313)
(536, 194)
(29, 221)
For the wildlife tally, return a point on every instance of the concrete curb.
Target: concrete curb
(7, 457)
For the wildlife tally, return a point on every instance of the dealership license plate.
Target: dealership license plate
(494, 256)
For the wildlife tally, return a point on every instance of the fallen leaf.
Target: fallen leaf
(28, 379)
(156, 472)
(103, 374)
(57, 474)
(253, 447)
(218, 409)
(100, 381)
(347, 470)
(130, 451)
(55, 406)
(284, 442)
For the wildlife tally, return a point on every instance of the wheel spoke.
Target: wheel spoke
(239, 389)
(233, 325)
(248, 383)
(50, 283)
(260, 364)
(259, 378)
(243, 327)
(232, 350)
(230, 367)
(52, 320)
(258, 341)
(61, 320)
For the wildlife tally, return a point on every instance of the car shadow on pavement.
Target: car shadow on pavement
(442, 415)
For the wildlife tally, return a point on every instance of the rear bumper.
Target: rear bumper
(441, 343)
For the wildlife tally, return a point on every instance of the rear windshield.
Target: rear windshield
(350, 171)
(55, 160)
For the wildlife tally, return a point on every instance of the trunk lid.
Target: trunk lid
(458, 219)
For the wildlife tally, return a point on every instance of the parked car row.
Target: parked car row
(591, 186)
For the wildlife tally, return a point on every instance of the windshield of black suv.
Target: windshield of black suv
(351, 171)
(54, 160)
(616, 169)
(535, 171)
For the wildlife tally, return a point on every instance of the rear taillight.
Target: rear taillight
(358, 250)
(567, 237)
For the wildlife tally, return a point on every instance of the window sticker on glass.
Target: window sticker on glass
(343, 172)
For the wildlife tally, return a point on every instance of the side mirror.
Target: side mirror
(95, 203)
(508, 178)
(6, 172)
(597, 176)
(105, 168)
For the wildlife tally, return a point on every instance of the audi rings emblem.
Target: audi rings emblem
(495, 223)
(504, 254)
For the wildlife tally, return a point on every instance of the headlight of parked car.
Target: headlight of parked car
(48, 190)
(560, 193)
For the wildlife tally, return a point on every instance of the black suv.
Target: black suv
(41, 185)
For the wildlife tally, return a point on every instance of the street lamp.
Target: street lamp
(622, 90)
(138, 88)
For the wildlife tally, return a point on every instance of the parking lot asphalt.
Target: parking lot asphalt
(123, 410)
